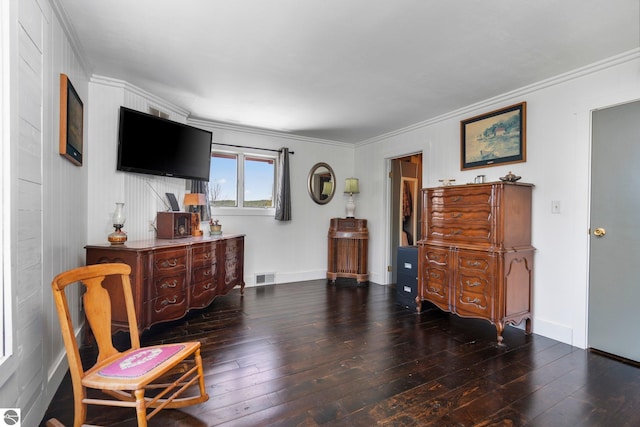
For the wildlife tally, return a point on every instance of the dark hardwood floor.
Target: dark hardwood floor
(314, 354)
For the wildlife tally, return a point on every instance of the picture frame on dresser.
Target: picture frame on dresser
(494, 138)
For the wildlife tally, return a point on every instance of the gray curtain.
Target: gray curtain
(202, 187)
(283, 190)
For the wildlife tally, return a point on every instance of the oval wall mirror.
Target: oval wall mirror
(321, 183)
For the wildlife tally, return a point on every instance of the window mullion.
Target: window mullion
(240, 187)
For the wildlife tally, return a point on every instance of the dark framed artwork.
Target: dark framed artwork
(494, 138)
(71, 122)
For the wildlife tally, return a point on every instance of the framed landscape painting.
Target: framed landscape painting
(71, 122)
(494, 138)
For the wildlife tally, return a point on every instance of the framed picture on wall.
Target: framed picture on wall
(71, 122)
(494, 138)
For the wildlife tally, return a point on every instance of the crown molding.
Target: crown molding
(203, 123)
(74, 41)
(610, 62)
(121, 84)
(209, 124)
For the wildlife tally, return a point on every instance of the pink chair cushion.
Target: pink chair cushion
(140, 361)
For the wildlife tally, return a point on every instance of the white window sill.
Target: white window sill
(242, 212)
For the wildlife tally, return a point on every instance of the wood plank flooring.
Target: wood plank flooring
(315, 354)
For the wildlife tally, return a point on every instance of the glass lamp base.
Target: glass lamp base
(118, 237)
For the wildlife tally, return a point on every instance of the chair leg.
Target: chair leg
(79, 408)
(198, 358)
(141, 408)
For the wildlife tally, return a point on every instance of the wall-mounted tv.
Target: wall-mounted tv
(157, 146)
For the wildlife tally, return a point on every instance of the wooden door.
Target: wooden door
(614, 287)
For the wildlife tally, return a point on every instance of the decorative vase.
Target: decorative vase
(118, 237)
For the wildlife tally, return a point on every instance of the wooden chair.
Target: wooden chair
(171, 370)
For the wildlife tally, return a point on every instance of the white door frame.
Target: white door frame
(388, 226)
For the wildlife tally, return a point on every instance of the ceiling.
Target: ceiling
(342, 70)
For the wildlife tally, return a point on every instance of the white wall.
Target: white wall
(558, 163)
(48, 205)
(108, 186)
(56, 208)
(294, 250)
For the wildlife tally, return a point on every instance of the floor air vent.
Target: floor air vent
(265, 278)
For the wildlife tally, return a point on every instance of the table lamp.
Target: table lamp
(194, 200)
(351, 187)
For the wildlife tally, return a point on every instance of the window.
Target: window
(223, 180)
(242, 180)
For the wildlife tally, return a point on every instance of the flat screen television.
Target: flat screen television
(157, 146)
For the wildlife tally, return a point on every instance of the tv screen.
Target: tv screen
(157, 146)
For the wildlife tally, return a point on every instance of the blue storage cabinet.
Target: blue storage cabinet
(407, 276)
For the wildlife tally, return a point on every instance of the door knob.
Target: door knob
(599, 232)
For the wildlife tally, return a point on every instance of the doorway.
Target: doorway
(406, 205)
(614, 290)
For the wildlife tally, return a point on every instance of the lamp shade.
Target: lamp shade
(351, 186)
(194, 199)
(327, 187)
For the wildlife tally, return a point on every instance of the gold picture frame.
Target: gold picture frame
(71, 122)
(494, 138)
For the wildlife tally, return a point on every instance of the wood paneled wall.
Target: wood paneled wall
(48, 205)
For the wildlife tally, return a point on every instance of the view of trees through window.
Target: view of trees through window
(242, 180)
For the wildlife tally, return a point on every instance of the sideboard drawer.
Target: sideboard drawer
(169, 261)
(171, 306)
(167, 284)
(204, 254)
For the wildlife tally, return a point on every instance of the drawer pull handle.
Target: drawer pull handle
(207, 286)
(169, 301)
(207, 255)
(434, 275)
(473, 263)
(166, 285)
(456, 232)
(473, 301)
(456, 215)
(167, 263)
(457, 199)
(207, 273)
(473, 285)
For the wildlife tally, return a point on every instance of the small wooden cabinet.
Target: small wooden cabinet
(348, 249)
(476, 258)
(171, 277)
(174, 225)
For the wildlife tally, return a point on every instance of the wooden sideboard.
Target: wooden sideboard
(348, 249)
(171, 277)
(476, 258)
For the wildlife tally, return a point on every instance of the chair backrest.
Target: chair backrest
(97, 308)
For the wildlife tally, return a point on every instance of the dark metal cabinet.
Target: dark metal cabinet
(407, 276)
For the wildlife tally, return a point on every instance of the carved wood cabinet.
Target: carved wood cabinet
(476, 258)
(348, 249)
(171, 277)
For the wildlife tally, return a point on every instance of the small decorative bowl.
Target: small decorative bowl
(510, 177)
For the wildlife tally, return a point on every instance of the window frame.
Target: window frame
(240, 209)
